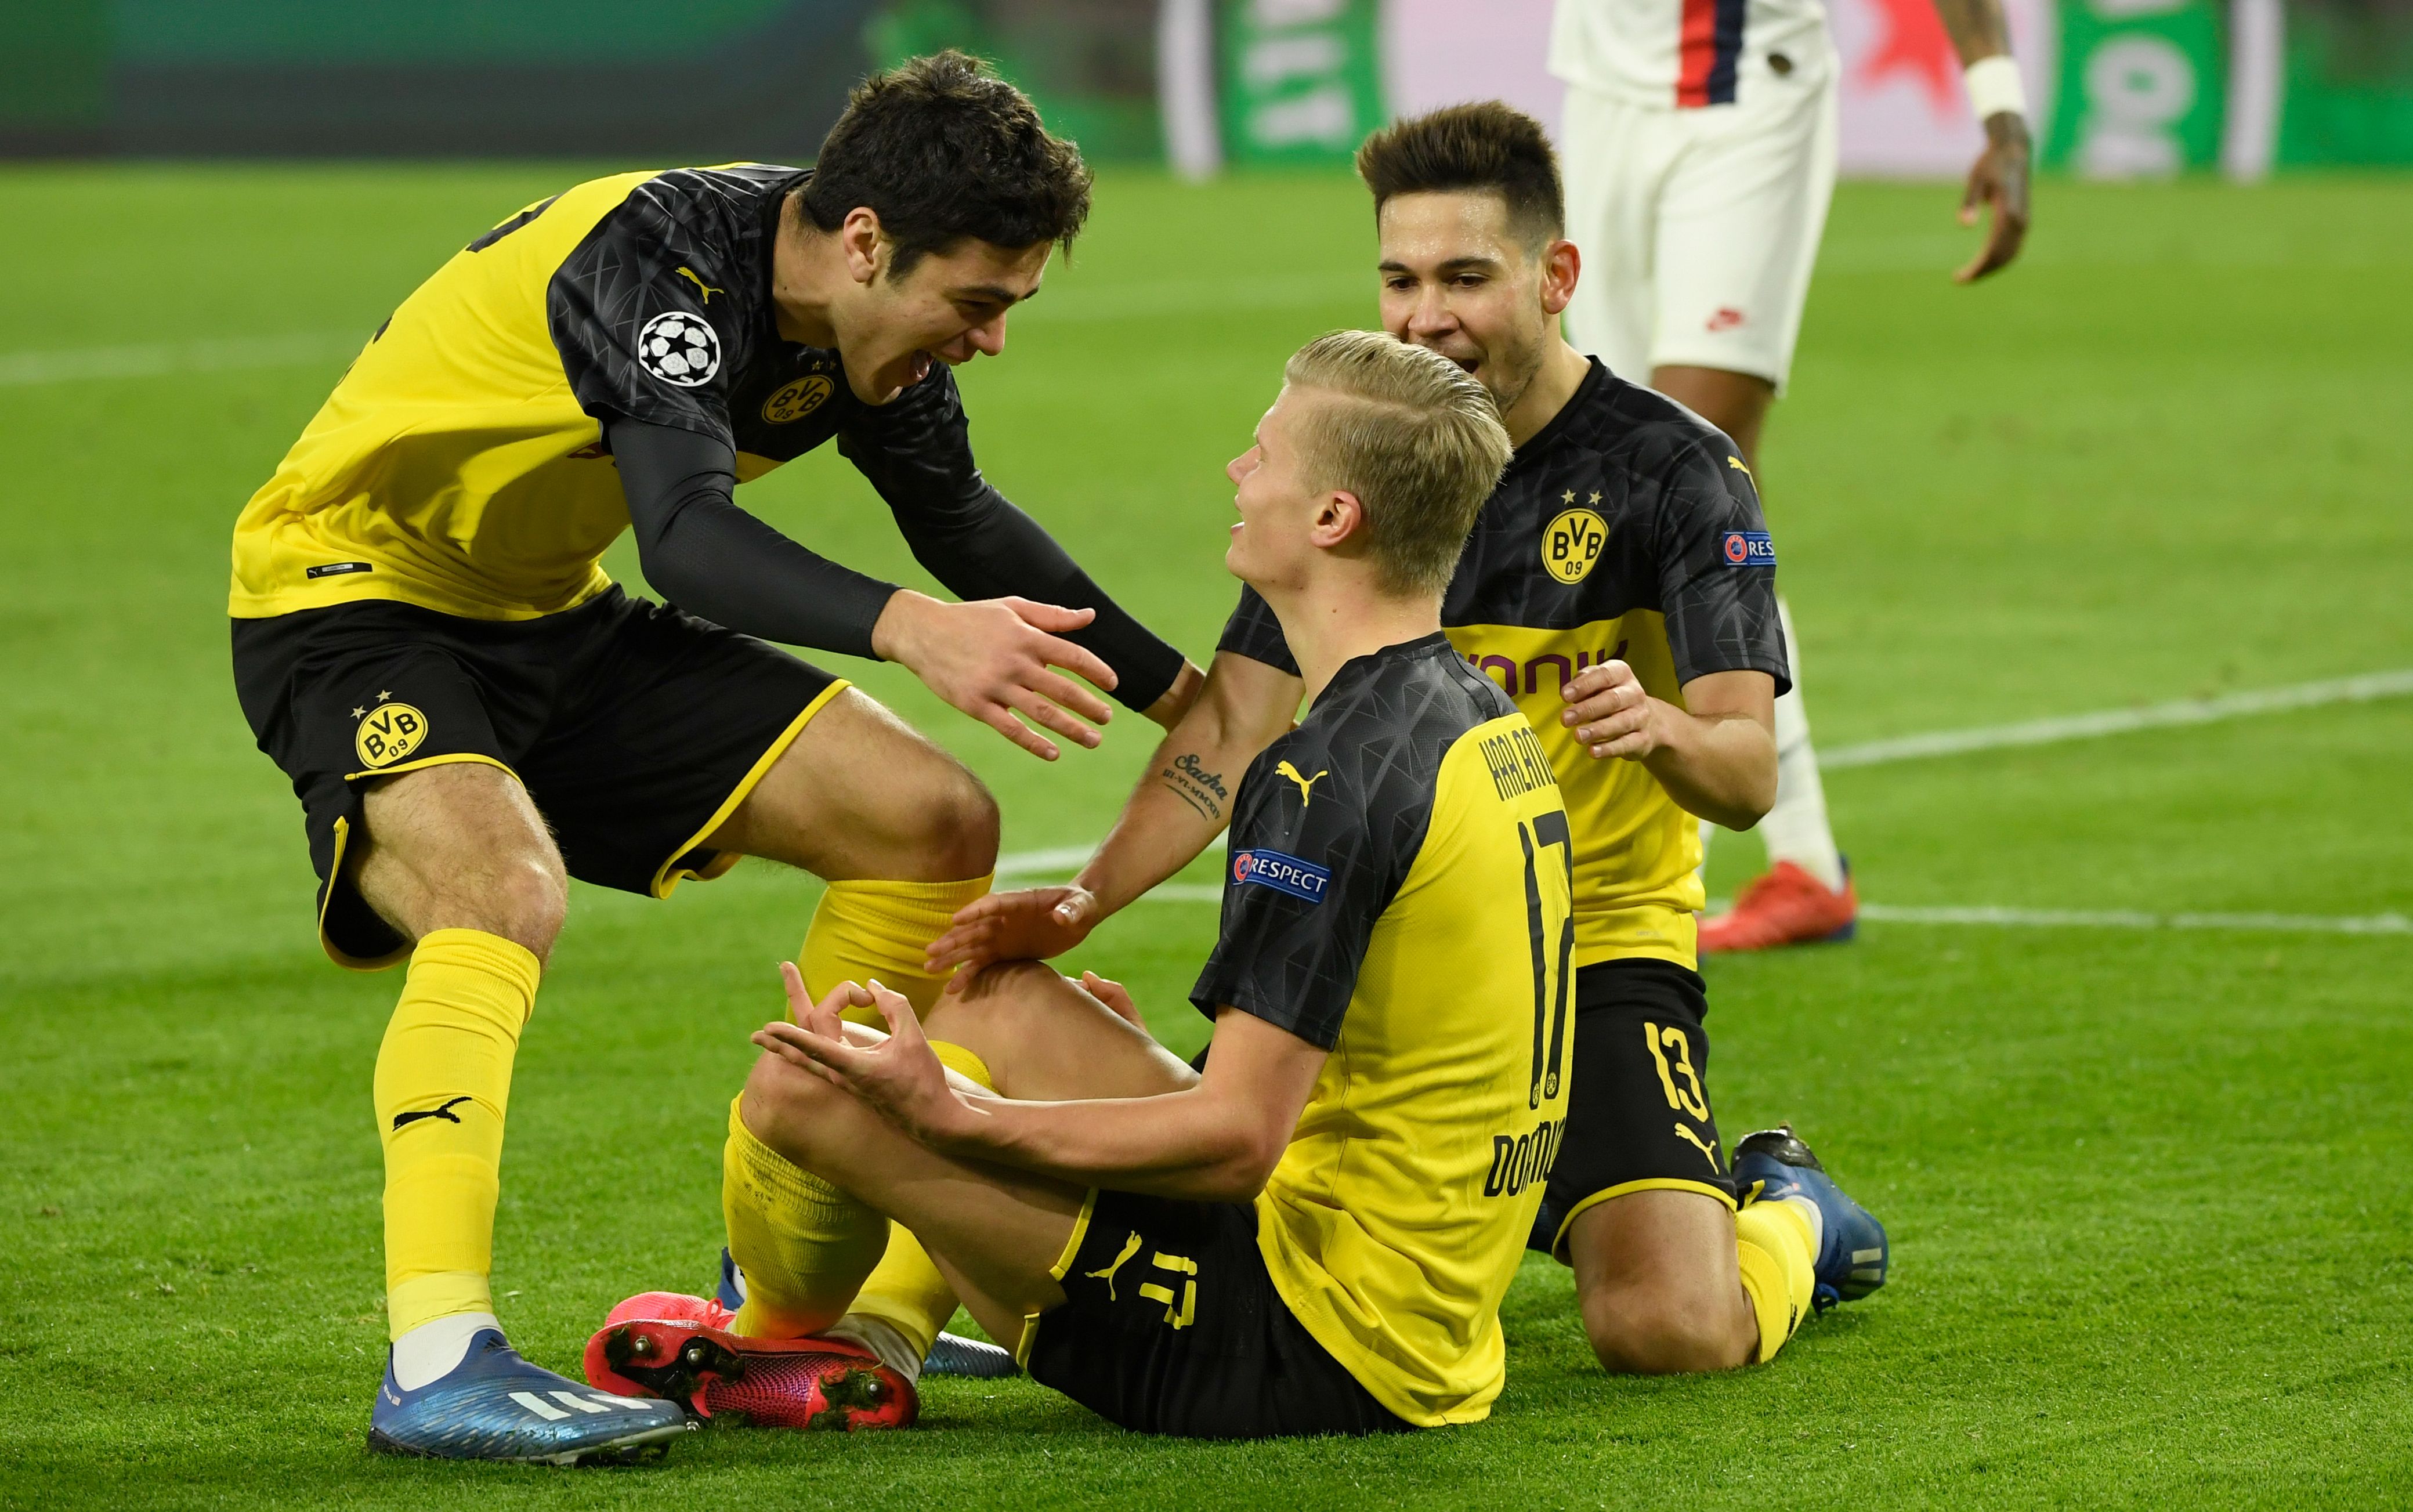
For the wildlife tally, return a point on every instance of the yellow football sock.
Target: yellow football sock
(443, 1081)
(1773, 1244)
(804, 1246)
(865, 929)
(904, 1290)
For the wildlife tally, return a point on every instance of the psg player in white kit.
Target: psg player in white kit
(1699, 152)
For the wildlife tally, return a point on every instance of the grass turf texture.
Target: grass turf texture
(2151, 1222)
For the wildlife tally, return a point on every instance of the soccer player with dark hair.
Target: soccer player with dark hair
(1312, 1234)
(1620, 586)
(470, 711)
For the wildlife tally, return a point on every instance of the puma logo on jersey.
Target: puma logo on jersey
(1304, 783)
(1736, 463)
(688, 273)
(1130, 1247)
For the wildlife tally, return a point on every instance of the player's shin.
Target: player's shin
(1797, 828)
(1777, 1251)
(804, 1246)
(904, 1302)
(881, 930)
(443, 1081)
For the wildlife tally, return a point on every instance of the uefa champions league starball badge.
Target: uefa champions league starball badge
(679, 347)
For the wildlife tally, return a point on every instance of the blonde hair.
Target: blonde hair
(1414, 435)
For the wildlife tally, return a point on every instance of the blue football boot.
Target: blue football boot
(1852, 1251)
(494, 1405)
(953, 1355)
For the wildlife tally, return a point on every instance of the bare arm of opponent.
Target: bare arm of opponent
(1216, 1140)
(1182, 802)
(1999, 179)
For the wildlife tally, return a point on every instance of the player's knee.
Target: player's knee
(1008, 1004)
(1642, 1330)
(788, 1108)
(525, 902)
(956, 820)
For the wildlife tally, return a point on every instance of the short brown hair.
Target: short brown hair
(1414, 435)
(1486, 145)
(942, 148)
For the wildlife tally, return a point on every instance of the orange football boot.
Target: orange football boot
(769, 1382)
(1784, 906)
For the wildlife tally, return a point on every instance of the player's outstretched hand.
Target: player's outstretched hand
(1114, 996)
(1999, 179)
(1610, 712)
(898, 1073)
(1030, 924)
(997, 657)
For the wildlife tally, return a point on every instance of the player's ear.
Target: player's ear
(859, 242)
(1340, 516)
(1561, 265)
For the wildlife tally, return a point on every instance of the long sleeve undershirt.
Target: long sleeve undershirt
(715, 560)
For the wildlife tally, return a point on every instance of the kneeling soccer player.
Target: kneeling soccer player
(1313, 1235)
(1620, 586)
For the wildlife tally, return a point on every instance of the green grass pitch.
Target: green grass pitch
(2149, 1189)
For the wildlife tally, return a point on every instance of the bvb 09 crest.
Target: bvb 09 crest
(1572, 543)
(390, 733)
(794, 401)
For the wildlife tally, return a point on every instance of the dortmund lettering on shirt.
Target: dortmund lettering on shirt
(459, 464)
(1399, 893)
(1626, 529)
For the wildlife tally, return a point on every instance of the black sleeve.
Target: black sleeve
(1309, 872)
(639, 337)
(713, 559)
(916, 450)
(1717, 572)
(1253, 631)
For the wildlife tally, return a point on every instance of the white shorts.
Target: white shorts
(1698, 228)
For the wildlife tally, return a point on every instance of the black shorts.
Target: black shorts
(636, 729)
(1171, 1324)
(1639, 1117)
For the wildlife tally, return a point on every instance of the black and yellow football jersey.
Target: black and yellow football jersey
(1398, 892)
(1627, 528)
(459, 464)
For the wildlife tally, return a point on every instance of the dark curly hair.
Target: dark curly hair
(940, 148)
(1486, 145)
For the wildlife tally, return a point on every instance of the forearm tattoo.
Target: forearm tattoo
(1197, 787)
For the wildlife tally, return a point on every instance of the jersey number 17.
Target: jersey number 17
(1549, 985)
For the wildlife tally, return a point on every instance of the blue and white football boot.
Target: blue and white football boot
(953, 1355)
(1852, 1251)
(494, 1405)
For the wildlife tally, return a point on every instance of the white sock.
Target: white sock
(1796, 829)
(430, 1351)
(884, 1339)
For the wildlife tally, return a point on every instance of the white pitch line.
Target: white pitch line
(23, 368)
(1084, 306)
(2369, 923)
(2360, 689)
(1062, 859)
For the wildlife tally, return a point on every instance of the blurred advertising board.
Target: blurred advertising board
(2116, 88)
